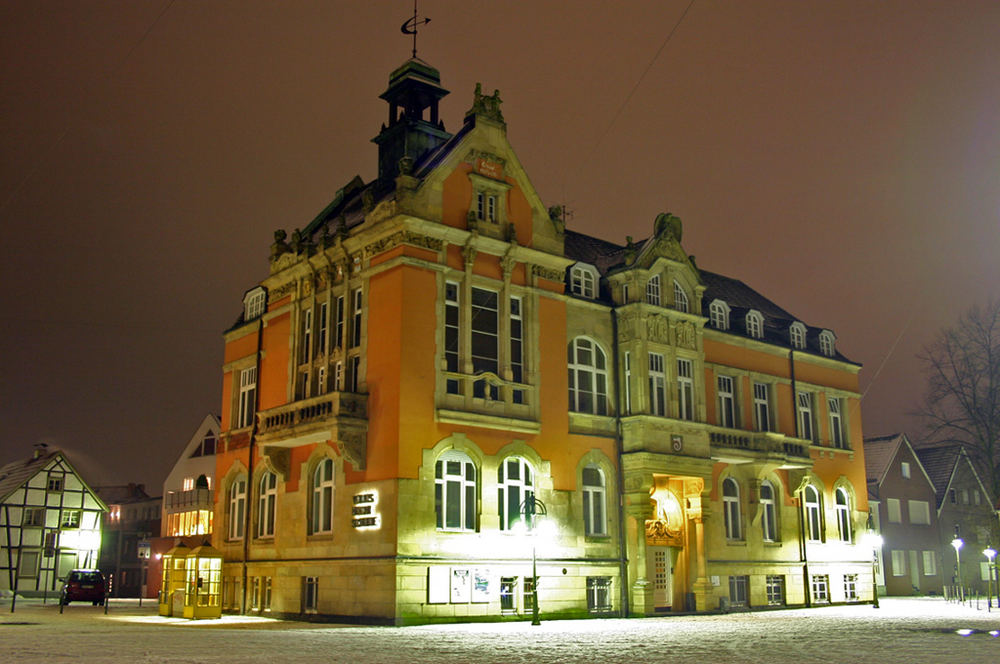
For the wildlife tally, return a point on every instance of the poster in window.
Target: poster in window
(480, 585)
(461, 586)
(437, 585)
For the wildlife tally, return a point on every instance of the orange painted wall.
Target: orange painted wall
(456, 196)
(226, 411)
(519, 214)
(239, 348)
(273, 381)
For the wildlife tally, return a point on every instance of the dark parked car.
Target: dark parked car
(83, 585)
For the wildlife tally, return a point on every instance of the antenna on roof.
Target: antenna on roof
(409, 27)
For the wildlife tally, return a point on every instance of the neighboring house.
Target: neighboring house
(965, 510)
(49, 523)
(436, 365)
(906, 515)
(133, 517)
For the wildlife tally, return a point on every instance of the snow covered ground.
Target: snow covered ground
(904, 630)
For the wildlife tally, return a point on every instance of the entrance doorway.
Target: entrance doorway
(661, 572)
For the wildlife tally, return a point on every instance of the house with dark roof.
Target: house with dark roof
(50, 523)
(435, 366)
(132, 519)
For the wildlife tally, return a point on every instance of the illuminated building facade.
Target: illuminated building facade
(133, 517)
(50, 523)
(438, 382)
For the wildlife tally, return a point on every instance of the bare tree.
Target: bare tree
(962, 403)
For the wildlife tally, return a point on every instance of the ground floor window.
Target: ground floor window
(738, 590)
(851, 587)
(508, 594)
(598, 594)
(775, 590)
(265, 598)
(231, 594)
(255, 593)
(821, 588)
(528, 596)
(310, 594)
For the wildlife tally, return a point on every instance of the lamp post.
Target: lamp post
(957, 543)
(530, 509)
(990, 554)
(875, 541)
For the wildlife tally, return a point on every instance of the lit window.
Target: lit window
(247, 397)
(837, 424)
(727, 402)
(455, 491)
(187, 484)
(826, 343)
(904, 468)
(582, 281)
(680, 298)
(237, 508)
(322, 498)
(805, 411)
(892, 510)
(718, 312)
(920, 512)
(731, 508)
(898, 562)
(762, 407)
(268, 498)
(755, 324)
(797, 335)
(930, 563)
(593, 501)
(768, 521)
(685, 390)
(588, 377)
(814, 514)
(516, 492)
(653, 290)
(657, 385)
(842, 506)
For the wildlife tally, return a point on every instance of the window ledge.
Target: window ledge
(487, 421)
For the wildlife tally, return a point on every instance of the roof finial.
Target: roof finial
(410, 26)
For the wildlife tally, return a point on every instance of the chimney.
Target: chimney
(40, 449)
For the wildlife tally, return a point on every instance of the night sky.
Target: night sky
(842, 158)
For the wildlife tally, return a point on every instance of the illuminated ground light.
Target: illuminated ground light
(964, 632)
(994, 633)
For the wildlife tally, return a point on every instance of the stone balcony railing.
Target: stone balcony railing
(338, 417)
(751, 444)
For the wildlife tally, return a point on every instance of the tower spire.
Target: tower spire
(409, 27)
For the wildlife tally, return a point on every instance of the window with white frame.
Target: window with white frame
(718, 312)
(515, 492)
(516, 348)
(485, 340)
(452, 334)
(599, 594)
(893, 511)
(685, 389)
(680, 298)
(775, 589)
(842, 508)
(70, 519)
(323, 325)
(267, 502)
(657, 385)
(904, 469)
(339, 326)
(769, 516)
(826, 343)
(237, 507)
(920, 512)
(731, 509)
(356, 325)
(762, 407)
(797, 335)
(588, 377)
(821, 588)
(55, 480)
(321, 521)
(755, 324)
(254, 303)
(739, 586)
(814, 514)
(455, 491)
(851, 587)
(305, 338)
(628, 382)
(726, 401)
(837, 437)
(653, 290)
(898, 562)
(247, 397)
(582, 281)
(33, 517)
(804, 401)
(486, 207)
(594, 521)
(930, 563)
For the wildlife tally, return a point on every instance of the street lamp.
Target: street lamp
(531, 509)
(990, 554)
(875, 542)
(957, 543)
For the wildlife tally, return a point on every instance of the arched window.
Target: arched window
(797, 335)
(653, 290)
(843, 508)
(237, 507)
(515, 486)
(814, 514)
(755, 324)
(826, 343)
(718, 312)
(322, 498)
(455, 491)
(594, 521)
(588, 377)
(731, 508)
(768, 520)
(581, 281)
(680, 298)
(267, 500)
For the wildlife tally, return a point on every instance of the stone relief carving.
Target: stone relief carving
(657, 329)
(469, 254)
(685, 335)
(546, 273)
(351, 446)
(486, 105)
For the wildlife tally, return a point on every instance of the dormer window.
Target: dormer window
(718, 312)
(254, 303)
(583, 281)
(797, 335)
(680, 298)
(486, 207)
(826, 343)
(755, 324)
(653, 290)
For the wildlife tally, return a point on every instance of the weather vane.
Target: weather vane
(410, 26)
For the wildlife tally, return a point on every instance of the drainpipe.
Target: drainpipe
(250, 446)
(803, 557)
(620, 448)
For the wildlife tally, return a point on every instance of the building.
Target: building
(965, 511)
(49, 523)
(439, 388)
(905, 510)
(133, 517)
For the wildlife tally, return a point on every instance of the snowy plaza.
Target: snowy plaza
(902, 630)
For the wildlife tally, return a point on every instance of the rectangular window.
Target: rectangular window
(599, 594)
(28, 564)
(338, 376)
(528, 594)
(355, 373)
(727, 402)
(70, 519)
(356, 327)
(305, 339)
(265, 601)
(247, 397)
(904, 468)
(930, 563)
(738, 590)
(657, 385)
(491, 208)
(55, 482)
(805, 410)
(952, 496)
(310, 594)
(821, 588)
(516, 348)
(837, 438)
(898, 562)
(775, 590)
(255, 593)
(485, 341)
(33, 517)
(628, 383)
(339, 338)
(892, 508)
(851, 587)
(451, 334)
(508, 594)
(685, 390)
(976, 497)
(653, 290)
(920, 512)
(480, 205)
(762, 407)
(324, 321)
